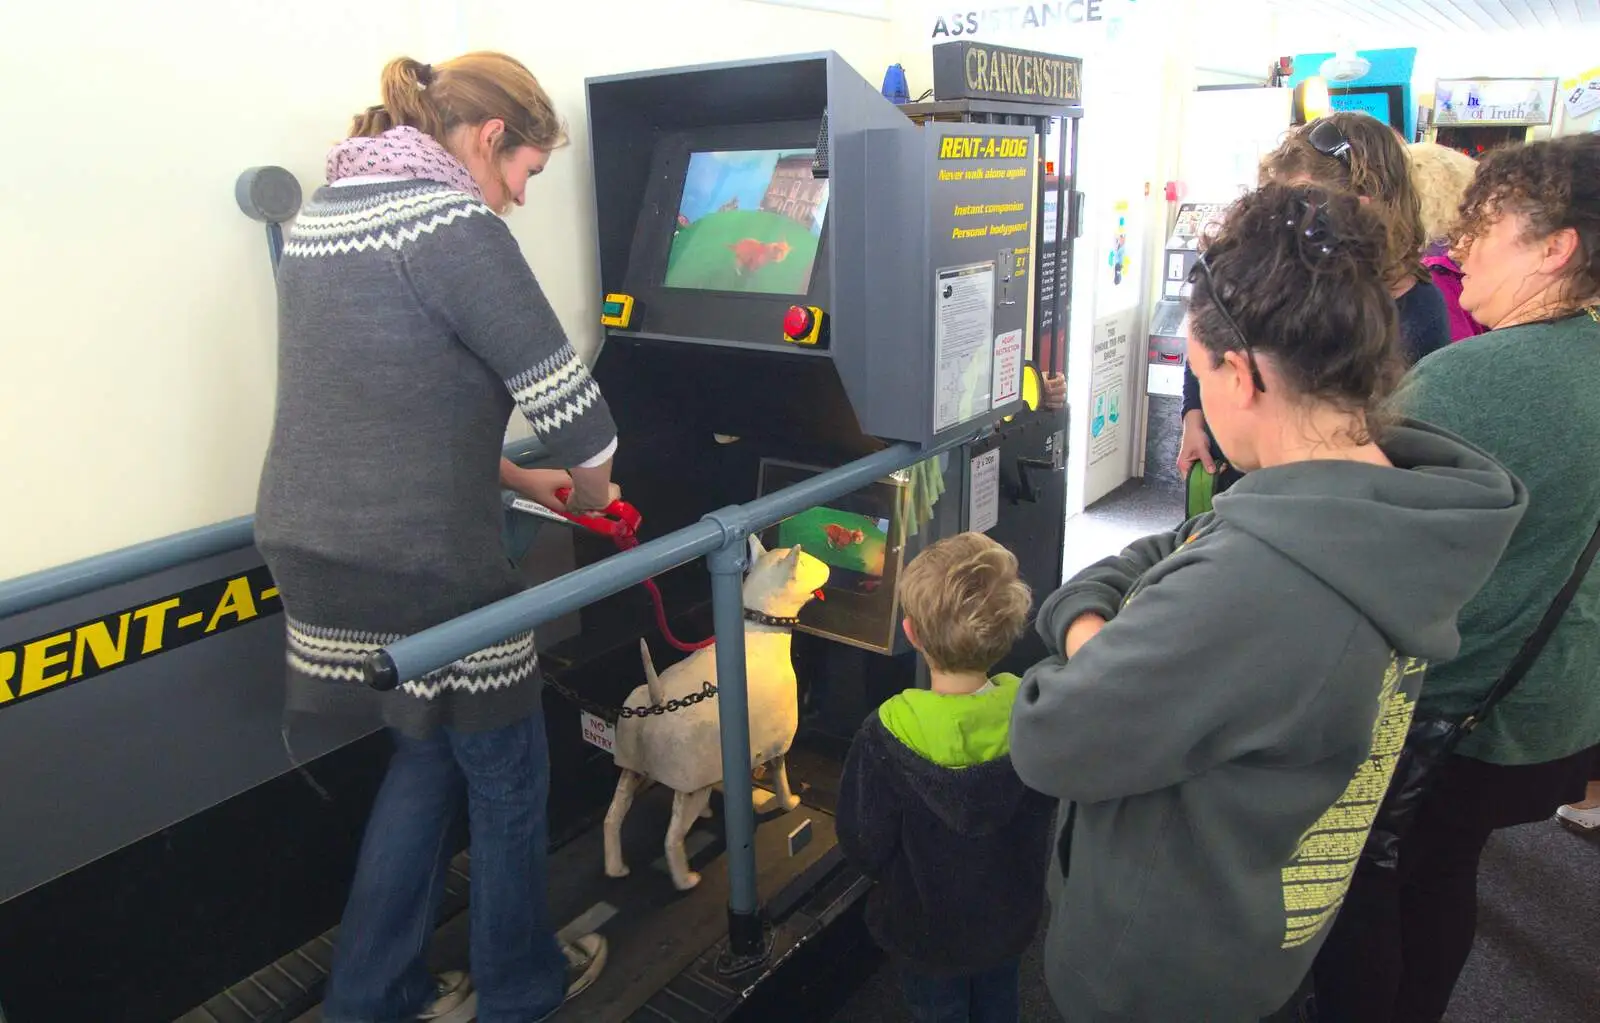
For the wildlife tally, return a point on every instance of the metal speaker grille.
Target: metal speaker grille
(819, 162)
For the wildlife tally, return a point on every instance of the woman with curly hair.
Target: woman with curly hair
(1441, 176)
(1526, 393)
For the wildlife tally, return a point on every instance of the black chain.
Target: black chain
(762, 618)
(613, 714)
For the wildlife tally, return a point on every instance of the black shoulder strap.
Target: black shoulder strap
(1535, 643)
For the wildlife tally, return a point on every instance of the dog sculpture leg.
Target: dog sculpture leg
(781, 784)
(627, 786)
(685, 808)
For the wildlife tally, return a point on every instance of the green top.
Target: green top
(1530, 396)
(954, 730)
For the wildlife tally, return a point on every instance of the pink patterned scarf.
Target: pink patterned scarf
(402, 152)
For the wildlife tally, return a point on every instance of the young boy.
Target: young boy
(930, 807)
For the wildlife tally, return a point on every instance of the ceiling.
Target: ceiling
(1487, 16)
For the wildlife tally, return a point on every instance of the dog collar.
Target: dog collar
(765, 619)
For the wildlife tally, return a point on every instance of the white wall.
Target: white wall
(136, 307)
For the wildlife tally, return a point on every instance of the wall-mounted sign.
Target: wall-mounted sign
(1584, 98)
(1385, 102)
(1018, 17)
(970, 70)
(1581, 103)
(1507, 102)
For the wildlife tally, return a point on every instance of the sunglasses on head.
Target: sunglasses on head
(1326, 138)
(1202, 267)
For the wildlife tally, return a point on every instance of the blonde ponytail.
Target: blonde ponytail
(471, 89)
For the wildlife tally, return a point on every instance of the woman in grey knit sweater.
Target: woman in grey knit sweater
(410, 326)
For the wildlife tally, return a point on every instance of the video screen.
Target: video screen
(860, 538)
(749, 220)
(852, 545)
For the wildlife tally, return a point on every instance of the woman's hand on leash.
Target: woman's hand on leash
(578, 502)
(543, 484)
(592, 489)
(1082, 630)
(536, 484)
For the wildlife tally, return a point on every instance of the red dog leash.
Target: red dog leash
(620, 521)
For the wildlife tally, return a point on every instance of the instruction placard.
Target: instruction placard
(1007, 367)
(1108, 377)
(984, 508)
(963, 337)
(598, 732)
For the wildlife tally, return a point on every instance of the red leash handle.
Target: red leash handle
(620, 521)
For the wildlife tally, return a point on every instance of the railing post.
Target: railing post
(746, 928)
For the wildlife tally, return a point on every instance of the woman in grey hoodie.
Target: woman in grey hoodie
(1226, 703)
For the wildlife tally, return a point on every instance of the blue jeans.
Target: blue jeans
(380, 972)
(988, 997)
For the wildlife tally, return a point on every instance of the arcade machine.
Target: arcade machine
(737, 363)
(1169, 338)
(794, 274)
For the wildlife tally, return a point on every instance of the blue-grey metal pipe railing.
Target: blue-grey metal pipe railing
(722, 535)
(74, 579)
(443, 644)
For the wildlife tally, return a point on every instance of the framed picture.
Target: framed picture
(1494, 102)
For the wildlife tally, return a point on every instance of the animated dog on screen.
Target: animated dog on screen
(682, 749)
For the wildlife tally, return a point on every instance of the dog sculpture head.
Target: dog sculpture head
(781, 582)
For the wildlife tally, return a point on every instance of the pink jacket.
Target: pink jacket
(1447, 277)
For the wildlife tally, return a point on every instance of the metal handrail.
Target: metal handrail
(74, 579)
(47, 586)
(443, 644)
(720, 537)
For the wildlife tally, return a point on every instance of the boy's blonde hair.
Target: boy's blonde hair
(1441, 175)
(965, 602)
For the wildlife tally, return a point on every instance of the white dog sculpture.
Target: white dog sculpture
(682, 749)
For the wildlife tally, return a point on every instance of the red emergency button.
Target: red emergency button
(802, 324)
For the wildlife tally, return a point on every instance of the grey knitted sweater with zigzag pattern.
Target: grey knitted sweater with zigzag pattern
(409, 328)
